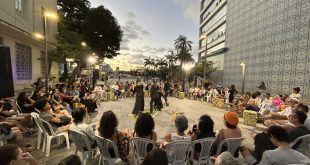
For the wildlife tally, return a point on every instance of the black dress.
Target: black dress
(139, 104)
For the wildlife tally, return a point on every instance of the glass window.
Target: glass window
(20, 7)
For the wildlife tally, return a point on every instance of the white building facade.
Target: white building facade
(19, 21)
(213, 25)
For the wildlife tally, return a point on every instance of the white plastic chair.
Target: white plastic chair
(35, 116)
(19, 110)
(178, 152)
(232, 145)
(82, 144)
(208, 96)
(49, 134)
(105, 157)
(204, 155)
(303, 146)
(141, 146)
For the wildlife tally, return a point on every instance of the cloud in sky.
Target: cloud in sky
(134, 58)
(191, 8)
(132, 30)
(151, 26)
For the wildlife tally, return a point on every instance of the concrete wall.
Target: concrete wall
(272, 38)
(19, 28)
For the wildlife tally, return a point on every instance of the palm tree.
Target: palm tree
(161, 63)
(186, 57)
(147, 62)
(182, 46)
(171, 59)
(153, 63)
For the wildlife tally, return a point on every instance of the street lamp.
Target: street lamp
(46, 15)
(91, 60)
(83, 44)
(243, 77)
(187, 68)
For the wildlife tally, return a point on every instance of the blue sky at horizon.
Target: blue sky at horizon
(151, 26)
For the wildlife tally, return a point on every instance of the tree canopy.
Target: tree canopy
(102, 32)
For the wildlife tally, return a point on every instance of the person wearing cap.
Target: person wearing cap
(232, 130)
(296, 94)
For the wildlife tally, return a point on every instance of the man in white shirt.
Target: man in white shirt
(283, 154)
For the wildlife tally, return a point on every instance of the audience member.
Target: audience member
(108, 130)
(71, 160)
(296, 94)
(156, 157)
(231, 131)
(25, 102)
(181, 124)
(11, 154)
(225, 158)
(283, 154)
(59, 123)
(144, 127)
(80, 124)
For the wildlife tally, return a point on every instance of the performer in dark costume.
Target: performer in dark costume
(139, 104)
(167, 90)
(154, 96)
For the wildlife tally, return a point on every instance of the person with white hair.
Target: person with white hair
(225, 158)
(181, 124)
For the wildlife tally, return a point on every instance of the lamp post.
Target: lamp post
(45, 16)
(187, 68)
(91, 60)
(204, 36)
(243, 77)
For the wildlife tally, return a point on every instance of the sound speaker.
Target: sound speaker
(6, 78)
(95, 74)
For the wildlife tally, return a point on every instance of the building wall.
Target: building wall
(18, 24)
(272, 39)
(213, 24)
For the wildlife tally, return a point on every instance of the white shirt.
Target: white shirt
(286, 112)
(283, 156)
(115, 87)
(175, 137)
(295, 96)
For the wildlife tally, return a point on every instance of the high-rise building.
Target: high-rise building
(272, 39)
(20, 20)
(212, 35)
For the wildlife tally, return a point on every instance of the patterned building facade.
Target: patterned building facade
(272, 39)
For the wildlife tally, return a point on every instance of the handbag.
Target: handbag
(124, 149)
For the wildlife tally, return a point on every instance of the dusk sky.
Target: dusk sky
(151, 26)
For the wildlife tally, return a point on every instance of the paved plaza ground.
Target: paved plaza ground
(192, 109)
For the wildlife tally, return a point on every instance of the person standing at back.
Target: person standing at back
(232, 91)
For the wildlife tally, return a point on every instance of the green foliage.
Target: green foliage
(72, 13)
(199, 69)
(183, 47)
(102, 32)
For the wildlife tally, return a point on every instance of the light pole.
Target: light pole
(204, 36)
(187, 68)
(243, 77)
(45, 16)
(91, 60)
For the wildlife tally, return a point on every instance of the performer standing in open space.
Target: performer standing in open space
(154, 96)
(139, 104)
